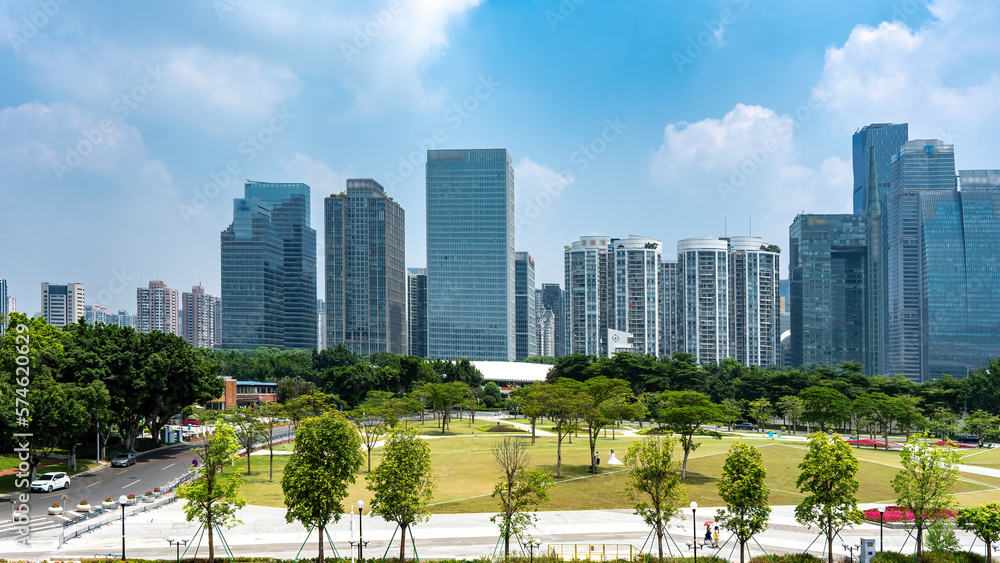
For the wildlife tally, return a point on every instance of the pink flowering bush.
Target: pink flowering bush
(899, 514)
(952, 444)
(870, 442)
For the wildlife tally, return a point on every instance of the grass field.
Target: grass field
(466, 475)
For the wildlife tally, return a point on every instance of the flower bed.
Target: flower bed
(953, 444)
(899, 514)
(870, 442)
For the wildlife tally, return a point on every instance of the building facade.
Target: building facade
(416, 280)
(585, 265)
(524, 306)
(552, 299)
(4, 306)
(320, 324)
(62, 304)
(96, 314)
(199, 317)
(470, 254)
(827, 268)
(269, 270)
(671, 340)
(754, 310)
(703, 297)
(635, 296)
(365, 271)
(156, 308)
(873, 147)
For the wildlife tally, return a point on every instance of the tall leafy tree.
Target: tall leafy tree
(760, 411)
(562, 403)
(213, 499)
(403, 483)
(327, 455)
(743, 490)
(982, 424)
(880, 411)
(827, 478)
(791, 407)
(598, 395)
(654, 484)
(442, 396)
(982, 387)
(824, 406)
(373, 420)
(519, 489)
(249, 430)
(926, 483)
(270, 413)
(686, 413)
(984, 522)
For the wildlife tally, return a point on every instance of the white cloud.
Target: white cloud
(929, 77)
(322, 180)
(539, 189)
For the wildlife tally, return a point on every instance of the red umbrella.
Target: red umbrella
(710, 522)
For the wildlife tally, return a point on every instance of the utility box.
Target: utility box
(868, 550)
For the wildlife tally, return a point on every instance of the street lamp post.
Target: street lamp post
(361, 541)
(532, 544)
(122, 500)
(881, 536)
(694, 530)
(850, 549)
(178, 542)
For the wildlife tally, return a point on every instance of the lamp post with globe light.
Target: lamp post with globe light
(881, 536)
(122, 500)
(361, 541)
(694, 530)
(178, 542)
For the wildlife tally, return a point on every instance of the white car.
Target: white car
(48, 482)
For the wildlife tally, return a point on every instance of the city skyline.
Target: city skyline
(666, 109)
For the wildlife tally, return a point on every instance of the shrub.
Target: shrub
(54, 505)
(788, 558)
(109, 499)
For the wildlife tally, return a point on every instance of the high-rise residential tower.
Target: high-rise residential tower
(633, 276)
(365, 270)
(156, 308)
(524, 296)
(62, 304)
(828, 265)
(470, 254)
(754, 306)
(320, 324)
(703, 297)
(269, 269)
(199, 317)
(920, 167)
(670, 333)
(416, 280)
(586, 303)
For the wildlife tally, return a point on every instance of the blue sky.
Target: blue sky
(126, 130)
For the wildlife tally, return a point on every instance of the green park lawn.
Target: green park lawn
(466, 475)
(10, 461)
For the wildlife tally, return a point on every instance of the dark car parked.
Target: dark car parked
(123, 460)
(744, 426)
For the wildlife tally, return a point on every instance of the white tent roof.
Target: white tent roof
(512, 372)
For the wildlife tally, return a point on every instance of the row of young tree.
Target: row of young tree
(83, 383)
(827, 480)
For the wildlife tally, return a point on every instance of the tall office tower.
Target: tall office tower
(524, 306)
(62, 304)
(875, 307)
(552, 299)
(634, 273)
(586, 270)
(156, 308)
(754, 305)
(365, 270)
(670, 333)
(873, 147)
(470, 254)
(546, 332)
(289, 205)
(703, 299)
(217, 323)
(960, 234)
(269, 269)
(122, 319)
(416, 280)
(921, 166)
(320, 324)
(199, 317)
(96, 314)
(827, 267)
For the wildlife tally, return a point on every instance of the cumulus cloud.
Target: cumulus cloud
(929, 77)
(539, 188)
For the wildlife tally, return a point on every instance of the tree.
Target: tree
(372, 420)
(442, 396)
(879, 410)
(491, 395)
(982, 387)
(684, 413)
(597, 394)
(791, 408)
(984, 522)
(403, 484)
(824, 406)
(212, 499)
(530, 405)
(982, 424)
(654, 483)
(519, 489)
(270, 413)
(743, 490)
(828, 479)
(561, 402)
(760, 411)
(249, 430)
(327, 454)
(926, 482)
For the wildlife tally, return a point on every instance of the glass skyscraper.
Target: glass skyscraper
(365, 270)
(416, 280)
(269, 269)
(524, 299)
(883, 140)
(470, 254)
(552, 299)
(920, 167)
(827, 269)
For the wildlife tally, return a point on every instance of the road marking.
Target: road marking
(132, 483)
(91, 485)
(171, 465)
(122, 471)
